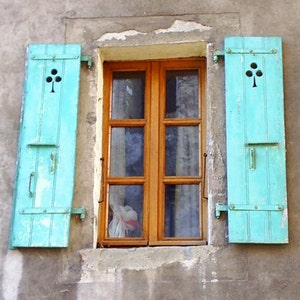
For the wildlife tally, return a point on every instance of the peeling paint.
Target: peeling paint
(177, 26)
(12, 274)
(182, 26)
(44, 185)
(45, 222)
(138, 259)
(284, 219)
(119, 36)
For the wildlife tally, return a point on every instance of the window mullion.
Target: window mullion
(153, 160)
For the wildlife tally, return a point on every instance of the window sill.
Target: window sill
(99, 264)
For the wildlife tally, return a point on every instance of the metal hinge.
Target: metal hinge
(217, 55)
(250, 51)
(84, 58)
(88, 59)
(247, 207)
(54, 210)
(220, 208)
(81, 211)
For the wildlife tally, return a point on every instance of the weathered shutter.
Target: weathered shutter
(256, 165)
(47, 142)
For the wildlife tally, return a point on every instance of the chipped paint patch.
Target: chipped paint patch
(12, 274)
(284, 219)
(113, 261)
(182, 26)
(177, 26)
(119, 35)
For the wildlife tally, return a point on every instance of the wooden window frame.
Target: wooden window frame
(154, 124)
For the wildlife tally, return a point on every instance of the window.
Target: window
(153, 149)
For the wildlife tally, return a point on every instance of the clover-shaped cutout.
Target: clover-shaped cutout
(52, 79)
(254, 72)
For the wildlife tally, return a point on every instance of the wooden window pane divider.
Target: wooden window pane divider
(125, 180)
(182, 122)
(127, 123)
(182, 180)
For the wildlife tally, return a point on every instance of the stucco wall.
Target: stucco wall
(109, 30)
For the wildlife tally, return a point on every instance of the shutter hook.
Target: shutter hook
(204, 176)
(102, 181)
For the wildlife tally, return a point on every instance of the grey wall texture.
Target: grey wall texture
(110, 30)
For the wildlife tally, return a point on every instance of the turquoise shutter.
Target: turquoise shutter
(256, 170)
(47, 142)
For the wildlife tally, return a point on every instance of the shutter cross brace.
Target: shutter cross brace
(246, 207)
(81, 211)
(219, 53)
(84, 58)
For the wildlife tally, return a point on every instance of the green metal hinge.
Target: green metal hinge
(81, 211)
(247, 207)
(84, 58)
(217, 55)
(54, 210)
(250, 51)
(88, 59)
(220, 208)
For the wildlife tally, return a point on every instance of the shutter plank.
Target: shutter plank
(47, 143)
(256, 171)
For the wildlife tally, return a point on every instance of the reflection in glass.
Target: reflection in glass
(128, 95)
(127, 151)
(182, 151)
(182, 94)
(125, 211)
(182, 211)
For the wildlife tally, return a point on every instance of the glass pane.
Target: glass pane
(182, 211)
(182, 151)
(182, 94)
(128, 95)
(127, 151)
(125, 211)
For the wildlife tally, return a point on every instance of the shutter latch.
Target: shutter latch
(81, 211)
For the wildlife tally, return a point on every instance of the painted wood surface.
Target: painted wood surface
(47, 143)
(256, 161)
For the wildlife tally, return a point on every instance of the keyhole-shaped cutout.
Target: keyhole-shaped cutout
(254, 72)
(52, 79)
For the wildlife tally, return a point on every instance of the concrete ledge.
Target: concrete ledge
(104, 264)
